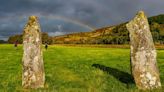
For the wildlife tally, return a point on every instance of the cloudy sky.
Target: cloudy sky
(58, 17)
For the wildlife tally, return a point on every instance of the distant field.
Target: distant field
(125, 46)
(75, 69)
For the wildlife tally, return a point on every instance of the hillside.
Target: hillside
(117, 34)
(113, 34)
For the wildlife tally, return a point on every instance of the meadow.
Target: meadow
(75, 69)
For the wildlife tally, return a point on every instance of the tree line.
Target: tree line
(19, 38)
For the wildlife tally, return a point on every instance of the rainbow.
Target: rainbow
(74, 21)
(57, 17)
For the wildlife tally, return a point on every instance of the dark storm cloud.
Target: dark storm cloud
(95, 13)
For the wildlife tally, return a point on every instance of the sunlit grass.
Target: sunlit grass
(69, 69)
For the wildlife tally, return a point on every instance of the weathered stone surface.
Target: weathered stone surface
(33, 75)
(143, 53)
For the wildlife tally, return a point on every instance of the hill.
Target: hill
(117, 34)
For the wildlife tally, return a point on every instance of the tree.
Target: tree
(15, 38)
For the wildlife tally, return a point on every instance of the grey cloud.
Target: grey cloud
(96, 13)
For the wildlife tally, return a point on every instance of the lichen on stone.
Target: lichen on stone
(33, 68)
(143, 53)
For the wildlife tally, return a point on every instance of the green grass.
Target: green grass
(69, 69)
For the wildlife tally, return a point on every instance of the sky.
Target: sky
(58, 17)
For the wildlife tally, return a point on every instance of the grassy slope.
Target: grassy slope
(110, 33)
(69, 69)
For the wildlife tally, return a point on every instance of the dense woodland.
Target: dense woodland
(108, 35)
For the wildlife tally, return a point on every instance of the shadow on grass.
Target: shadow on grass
(123, 77)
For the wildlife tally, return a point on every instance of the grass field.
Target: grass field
(74, 69)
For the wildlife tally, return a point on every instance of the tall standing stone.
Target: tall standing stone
(143, 53)
(33, 75)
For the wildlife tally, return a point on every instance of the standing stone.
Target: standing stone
(33, 75)
(143, 53)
